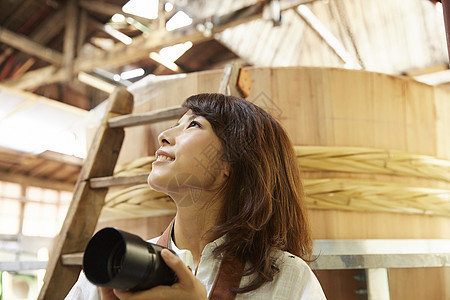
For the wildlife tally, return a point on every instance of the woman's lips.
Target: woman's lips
(162, 156)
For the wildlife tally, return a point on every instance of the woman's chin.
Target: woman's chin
(154, 182)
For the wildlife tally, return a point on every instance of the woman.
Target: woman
(241, 227)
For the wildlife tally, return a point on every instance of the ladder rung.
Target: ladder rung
(103, 182)
(153, 116)
(74, 259)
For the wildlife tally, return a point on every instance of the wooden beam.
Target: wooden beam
(46, 31)
(108, 9)
(36, 78)
(143, 45)
(327, 36)
(86, 205)
(50, 27)
(26, 45)
(96, 82)
(35, 181)
(82, 31)
(23, 68)
(5, 54)
(62, 158)
(70, 39)
(156, 57)
(102, 27)
(149, 117)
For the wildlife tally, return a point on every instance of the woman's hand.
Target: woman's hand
(188, 286)
(108, 294)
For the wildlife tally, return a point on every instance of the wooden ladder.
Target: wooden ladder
(96, 176)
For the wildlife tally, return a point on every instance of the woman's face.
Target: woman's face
(189, 161)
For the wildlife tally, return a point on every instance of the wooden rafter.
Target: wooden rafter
(139, 49)
(108, 9)
(31, 47)
(36, 78)
(70, 38)
(50, 27)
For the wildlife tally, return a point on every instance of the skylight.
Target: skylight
(179, 20)
(142, 8)
(35, 124)
(176, 51)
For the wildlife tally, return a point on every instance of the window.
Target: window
(31, 210)
(10, 208)
(44, 211)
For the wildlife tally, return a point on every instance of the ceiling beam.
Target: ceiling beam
(143, 45)
(109, 10)
(36, 181)
(335, 44)
(5, 54)
(23, 68)
(50, 27)
(139, 49)
(26, 45)
(36, 78)
(96, 82)
(70, 38)
(82, 30)
(46, 31)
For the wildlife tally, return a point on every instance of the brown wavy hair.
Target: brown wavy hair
(263, 208)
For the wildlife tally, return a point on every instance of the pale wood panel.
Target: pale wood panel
(332, 224)
(421, 118)
(442, 111)
(431, 280)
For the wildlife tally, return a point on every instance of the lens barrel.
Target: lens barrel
(121, 260)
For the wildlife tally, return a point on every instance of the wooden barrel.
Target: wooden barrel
(374, 150)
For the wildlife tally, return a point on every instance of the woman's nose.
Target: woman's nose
(164, 138)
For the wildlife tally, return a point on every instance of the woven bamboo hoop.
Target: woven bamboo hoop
(368, 160)
(329, 193)
(361, 195)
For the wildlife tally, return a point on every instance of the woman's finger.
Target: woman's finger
(176, 264)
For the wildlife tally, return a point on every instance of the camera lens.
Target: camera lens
(116, 260)
(121, 260)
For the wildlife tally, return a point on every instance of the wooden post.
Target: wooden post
(82, 31)
(87, 203)
(70, 38)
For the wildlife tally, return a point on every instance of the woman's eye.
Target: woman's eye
(194, 124)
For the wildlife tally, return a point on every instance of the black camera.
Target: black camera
(121, 260)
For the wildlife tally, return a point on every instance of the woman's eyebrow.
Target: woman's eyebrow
(192, 117)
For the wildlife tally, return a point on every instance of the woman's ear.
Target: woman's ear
(226, 169)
